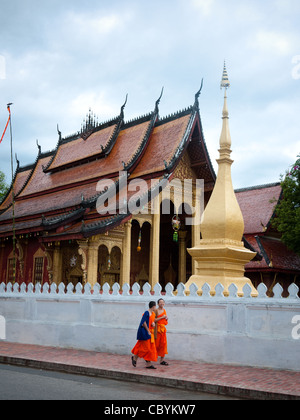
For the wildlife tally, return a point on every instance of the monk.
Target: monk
(145, 347)
(161, 335)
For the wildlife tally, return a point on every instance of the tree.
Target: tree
(3, 186)
(287, 220)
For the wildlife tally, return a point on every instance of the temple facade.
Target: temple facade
(92, 210)
(60, 234)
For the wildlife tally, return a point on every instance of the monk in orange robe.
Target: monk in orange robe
(145, 347)
(161, 333)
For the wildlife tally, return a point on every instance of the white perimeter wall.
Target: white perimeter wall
(232, 330)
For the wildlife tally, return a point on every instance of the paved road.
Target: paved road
(18, 383)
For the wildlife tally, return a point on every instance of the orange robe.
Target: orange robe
(146, 349)
(161, 340)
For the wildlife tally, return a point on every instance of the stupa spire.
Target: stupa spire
(225, 140)
(225, 79)
(223, 217)
(221, 255)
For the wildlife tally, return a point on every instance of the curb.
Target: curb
(184, 384)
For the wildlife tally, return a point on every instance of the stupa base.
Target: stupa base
(221, 263)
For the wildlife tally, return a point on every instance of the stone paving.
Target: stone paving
(236, 381)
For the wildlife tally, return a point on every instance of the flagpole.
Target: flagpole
(13, 195)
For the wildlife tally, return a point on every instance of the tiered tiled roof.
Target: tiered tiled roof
(57, 195)
(21, 176)
(258, 207)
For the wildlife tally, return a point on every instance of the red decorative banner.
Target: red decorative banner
(8, 108)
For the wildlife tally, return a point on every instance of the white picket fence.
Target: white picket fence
(136, 292)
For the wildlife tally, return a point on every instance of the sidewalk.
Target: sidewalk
(241, 382)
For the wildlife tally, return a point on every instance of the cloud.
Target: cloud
(204, 6)
(2, 67)
(97, 101)
(265, 141)
(90, 30)
(296, 67)
(63, 58)
(90, 25)
(272, 42)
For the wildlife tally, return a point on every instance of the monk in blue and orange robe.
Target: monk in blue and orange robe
(145, 347)
(161, 332)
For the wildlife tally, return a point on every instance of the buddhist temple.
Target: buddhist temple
(60, 235)
(61, 228)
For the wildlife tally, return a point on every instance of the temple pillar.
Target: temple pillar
(155, 245)
(126, 256)
(182, 257)
(83, 252)
(57, 264)
(20, 249)
(92, 264)
(2, 247)
(48, 253)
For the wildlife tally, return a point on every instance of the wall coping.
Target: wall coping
(182, 295)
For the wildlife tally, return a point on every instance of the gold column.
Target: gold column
(92, 264)
(126, 256)
(182, 257)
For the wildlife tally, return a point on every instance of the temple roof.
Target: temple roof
(76, 150)
(61, 187)
(258, 207)
(276, 256)
(126, 145)
(21, 176)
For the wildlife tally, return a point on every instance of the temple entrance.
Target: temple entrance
(140, 252)
(71, 263)
(169, 250)
(185, 243)
(175, 263)
(109, 265)
(76, 276)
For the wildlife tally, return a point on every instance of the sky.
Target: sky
(60, 58)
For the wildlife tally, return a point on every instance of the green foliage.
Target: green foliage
(287, 220)
(3, 186)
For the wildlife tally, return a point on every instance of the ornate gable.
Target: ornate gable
(184, 169)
